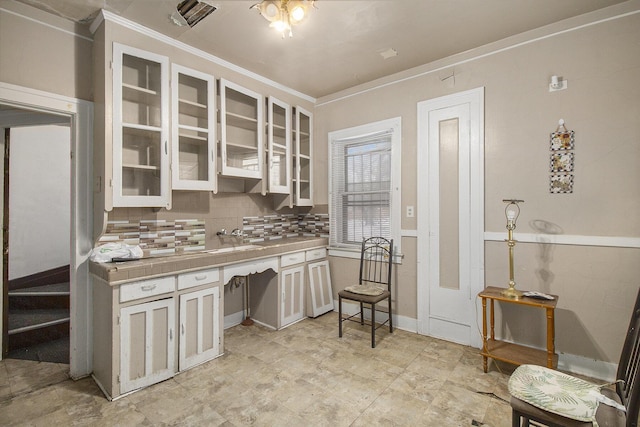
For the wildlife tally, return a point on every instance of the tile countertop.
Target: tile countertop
(116, 273)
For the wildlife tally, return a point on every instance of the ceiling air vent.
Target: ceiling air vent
(190, 12)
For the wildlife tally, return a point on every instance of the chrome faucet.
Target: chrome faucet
(237, 232)
(222, 232)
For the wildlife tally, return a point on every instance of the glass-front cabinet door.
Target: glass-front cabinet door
(242, 131)
(303, 165)
(193, 130)
(279, 143)
(140, 128)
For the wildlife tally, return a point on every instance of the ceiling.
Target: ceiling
(340, 44)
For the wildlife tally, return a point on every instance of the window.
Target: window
(364, 187)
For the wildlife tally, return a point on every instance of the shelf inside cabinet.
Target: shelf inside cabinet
(194, 109)
(141, 167)
(240, 121)
(139, 94)
(193, 138)
(233, 147)
(279, 148)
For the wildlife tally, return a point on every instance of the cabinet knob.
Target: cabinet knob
(148, 287)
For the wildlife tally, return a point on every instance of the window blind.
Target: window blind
(361, 188)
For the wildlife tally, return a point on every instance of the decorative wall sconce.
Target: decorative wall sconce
(512, 212)
(558, 83)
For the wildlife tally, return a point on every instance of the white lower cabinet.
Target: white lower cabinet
(146, 344)
(320, 288)
(292, 295)
(147, 331)
(199, 327)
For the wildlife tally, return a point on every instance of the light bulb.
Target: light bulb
(271, 11)
(297, 14)
(279, 25)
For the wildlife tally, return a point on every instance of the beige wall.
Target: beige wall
(36, 55)
(597, 285)
(602, 63)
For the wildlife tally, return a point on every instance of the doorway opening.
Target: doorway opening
(36, 236)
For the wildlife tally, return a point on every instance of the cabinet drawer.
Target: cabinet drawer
(147, 288)
(291, 259)
(197, 278)
(315, 254)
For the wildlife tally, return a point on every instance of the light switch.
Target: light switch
(409, 211)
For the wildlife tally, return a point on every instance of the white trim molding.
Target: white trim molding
(567, 239)
(105, 15)
(80, 115)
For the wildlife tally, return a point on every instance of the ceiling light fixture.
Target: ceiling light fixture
(282, 14)
(190, 12)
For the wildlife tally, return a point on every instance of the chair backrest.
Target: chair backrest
(376, 261)
(628, 368)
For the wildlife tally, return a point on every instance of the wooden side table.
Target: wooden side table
(515, 353)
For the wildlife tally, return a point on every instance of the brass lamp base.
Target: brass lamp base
(247, 321)
(512, 293)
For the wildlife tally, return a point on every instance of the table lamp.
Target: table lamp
(512, 212)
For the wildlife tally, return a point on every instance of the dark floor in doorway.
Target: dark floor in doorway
(56, 351)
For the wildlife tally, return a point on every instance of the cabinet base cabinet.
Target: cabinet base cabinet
(292, 295)
(146, 344)
(320, 288)
(146, 340)
(199, 327)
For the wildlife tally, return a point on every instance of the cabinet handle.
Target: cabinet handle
(202, 277)
(148, 287)
(182, 328)
(213, 159)
(170, 334)
(165, 148)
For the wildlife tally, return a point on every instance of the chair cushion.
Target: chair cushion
(606, 416)
(370, 290)
(556, 392)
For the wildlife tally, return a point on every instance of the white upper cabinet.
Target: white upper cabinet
(242, 131)
(279, 146)
(193, 109)
(302, 159)
(140, 128)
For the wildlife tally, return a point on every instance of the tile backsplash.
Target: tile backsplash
(273, 227)
(158, 236)
(171, 236)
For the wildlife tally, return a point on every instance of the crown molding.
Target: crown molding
(105, 15)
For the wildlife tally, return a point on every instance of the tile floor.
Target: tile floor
(303, 375)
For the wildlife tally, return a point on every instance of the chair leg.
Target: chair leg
(390, 316)
(373, 326)
(515, 419)
(339, 316)
(361, 314)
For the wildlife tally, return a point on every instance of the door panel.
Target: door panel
(450, 215)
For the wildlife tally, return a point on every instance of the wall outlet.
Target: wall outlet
(410, 212)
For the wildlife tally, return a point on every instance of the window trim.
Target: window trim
(395, 124)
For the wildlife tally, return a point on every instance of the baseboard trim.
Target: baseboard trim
(597, 369)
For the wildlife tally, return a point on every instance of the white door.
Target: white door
(450, 215)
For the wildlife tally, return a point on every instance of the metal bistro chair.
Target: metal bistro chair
(554, 399)
(374, 284)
